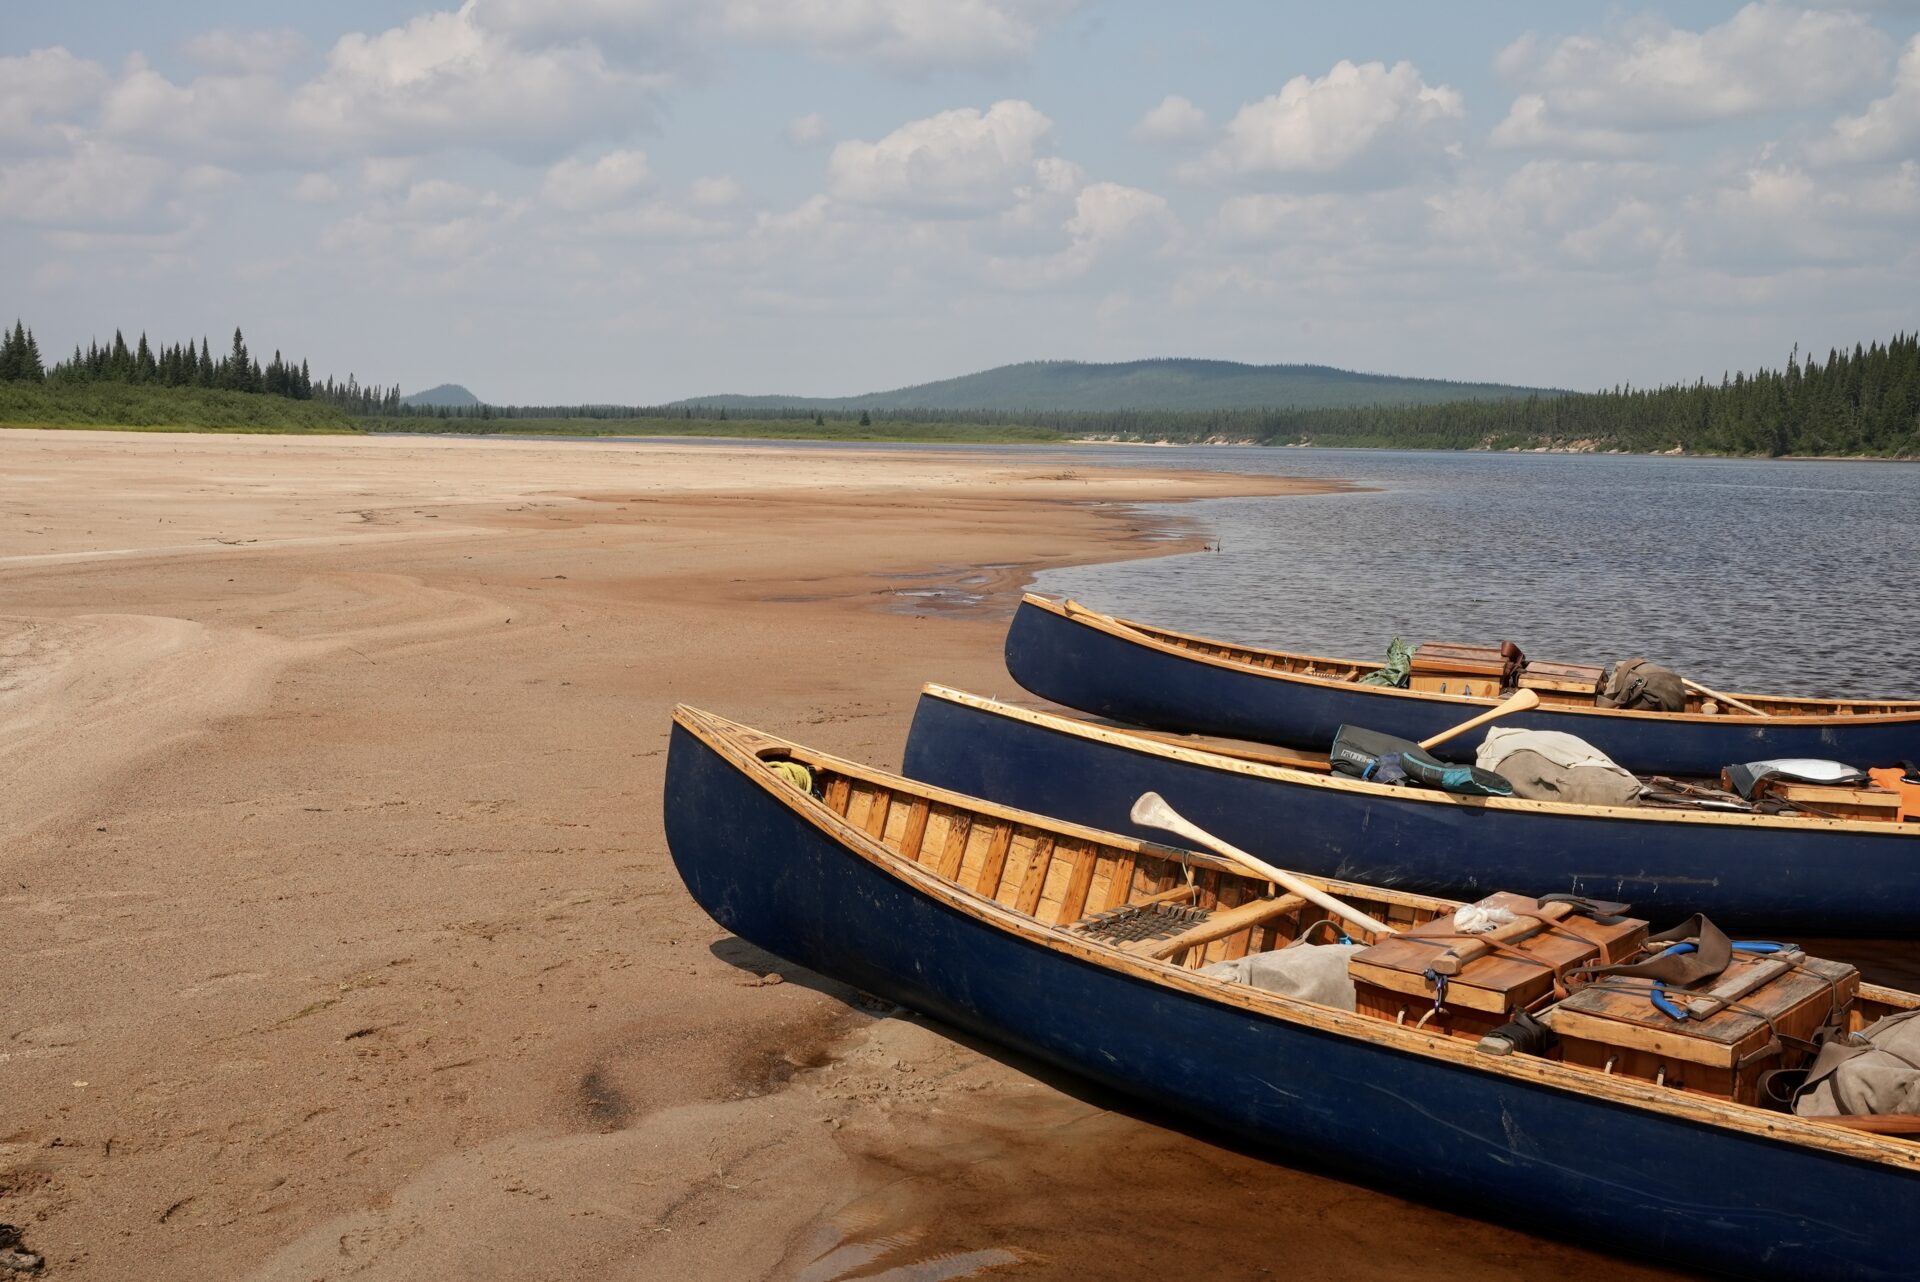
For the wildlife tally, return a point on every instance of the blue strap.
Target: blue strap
(1659, 994)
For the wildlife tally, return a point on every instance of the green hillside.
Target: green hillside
(1143, 385)
(449, 394)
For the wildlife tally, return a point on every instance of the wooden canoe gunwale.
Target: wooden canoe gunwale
(1255, 764)
(1891, 711)
(746, 750)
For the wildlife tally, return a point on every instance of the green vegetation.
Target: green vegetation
(1069, 386)
(1860, 403)
(178, 409)
(808, 428)
(185, 366)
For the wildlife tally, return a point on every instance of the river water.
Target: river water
(1747, 575)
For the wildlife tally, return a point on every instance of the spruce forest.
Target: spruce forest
(186, 365)
(1863, 402)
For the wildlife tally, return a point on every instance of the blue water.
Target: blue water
(1753, 575)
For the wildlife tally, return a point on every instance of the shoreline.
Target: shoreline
(343, 934)
(913, 442)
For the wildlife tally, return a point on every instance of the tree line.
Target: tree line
(1860, 402)
(1863, 401)
(188, 365)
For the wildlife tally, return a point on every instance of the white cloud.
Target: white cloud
(40, 90)
(1173, 120)
(909, 36)
(808, 129)
(1652, 75)
(1889, 127)
(96, 184)
(384, 173)
(654, 221)
(958, 160)
(1106, 216)
(1632, 231)
(576, 185)
(229, 50)
(1367, 120)
(442, 80)
(1107, 213)
(435, 224)
(315, 189)
(438, 198)
(1530, 126)
(714, 192)
(223, 115)
(905, 35)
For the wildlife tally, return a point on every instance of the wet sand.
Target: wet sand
(340, 937)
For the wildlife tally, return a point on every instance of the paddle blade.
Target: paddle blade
(1152, 810)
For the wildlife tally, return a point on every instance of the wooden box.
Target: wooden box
(1612, 1025)
(1453, 683)
(1835, 801)
(1445, 658)
(1390, 977)
(1568, 678)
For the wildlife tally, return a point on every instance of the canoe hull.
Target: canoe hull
(1088, 668)
(1815, 882)
(1547, 1159)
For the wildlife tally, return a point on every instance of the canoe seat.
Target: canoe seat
(1163, 931)
(1139, 923)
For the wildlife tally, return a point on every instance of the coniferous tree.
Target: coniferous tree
(13, 353)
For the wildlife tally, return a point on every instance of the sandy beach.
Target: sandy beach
(339, 931)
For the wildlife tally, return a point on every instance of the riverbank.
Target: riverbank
(341, 935)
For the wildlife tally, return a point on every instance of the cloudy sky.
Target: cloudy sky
(637, 200)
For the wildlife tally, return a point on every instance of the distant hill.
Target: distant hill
(449, 394)
(1143, 385)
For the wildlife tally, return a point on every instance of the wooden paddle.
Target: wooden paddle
(1518, 701)
(1450, 962)
(1152, 811)
(1727, 699)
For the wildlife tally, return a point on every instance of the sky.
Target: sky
(633, 201)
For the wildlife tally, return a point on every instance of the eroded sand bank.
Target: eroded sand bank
(340, 938)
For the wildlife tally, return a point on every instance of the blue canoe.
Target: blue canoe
(977, 915)
(1809, 875)
(1166, 680)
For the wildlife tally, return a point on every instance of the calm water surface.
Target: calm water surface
(1747, 575)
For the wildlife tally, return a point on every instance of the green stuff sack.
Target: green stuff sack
(1399, 667)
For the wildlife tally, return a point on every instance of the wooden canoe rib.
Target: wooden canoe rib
(1167, 680)
(1807, 875)
(983, 920)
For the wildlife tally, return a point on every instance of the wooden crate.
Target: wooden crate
(1448, 658)
(1454, 683)
(1838, 801)
(1390, 977)
(1615, 1027)
(1567, 678)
